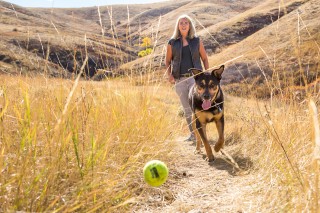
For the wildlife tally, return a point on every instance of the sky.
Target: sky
(76, 3)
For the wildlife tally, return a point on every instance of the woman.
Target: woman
(184, 51)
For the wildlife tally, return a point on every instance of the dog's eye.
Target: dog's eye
(212, 86)
(201, 85)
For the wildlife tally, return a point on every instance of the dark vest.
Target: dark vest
(176, 45)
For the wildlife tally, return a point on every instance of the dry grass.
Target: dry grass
(93, 160)
(65, 150)
(281, 144)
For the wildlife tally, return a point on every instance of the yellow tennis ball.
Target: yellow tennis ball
(155, 173)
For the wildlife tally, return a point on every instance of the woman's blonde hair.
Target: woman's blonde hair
(192, 29)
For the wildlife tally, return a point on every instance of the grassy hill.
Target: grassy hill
(34, 42)
(123, 27)
(286, 51)
(265, 35)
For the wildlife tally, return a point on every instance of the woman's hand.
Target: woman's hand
(171, 79)
(203, 55)
(168, 64)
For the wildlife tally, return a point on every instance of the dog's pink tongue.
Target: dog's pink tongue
(206, 104)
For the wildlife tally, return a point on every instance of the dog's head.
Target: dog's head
(207, 84)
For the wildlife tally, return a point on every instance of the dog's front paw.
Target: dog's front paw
(218, 146)
(210, 158)
(196, 152)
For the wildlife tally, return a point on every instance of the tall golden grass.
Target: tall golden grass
(280, 140)
(65, 150)
(283, 137)
(93, 159)
(78, 145)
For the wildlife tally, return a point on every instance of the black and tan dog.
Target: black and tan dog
(206, 102)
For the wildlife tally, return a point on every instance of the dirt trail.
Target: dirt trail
(205, 187)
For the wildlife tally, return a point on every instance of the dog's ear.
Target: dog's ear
(218, 72)
(195, 72)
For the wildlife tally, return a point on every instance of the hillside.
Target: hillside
(63, 31)
(55, 41)
(36, 42)
(268, 25)
(265, 37)
(286, 51)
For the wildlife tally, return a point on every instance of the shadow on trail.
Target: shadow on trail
(221, 163)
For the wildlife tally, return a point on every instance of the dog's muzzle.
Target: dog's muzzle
(206, 104)
(206, 101)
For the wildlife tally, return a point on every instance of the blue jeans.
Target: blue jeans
(182, 87)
